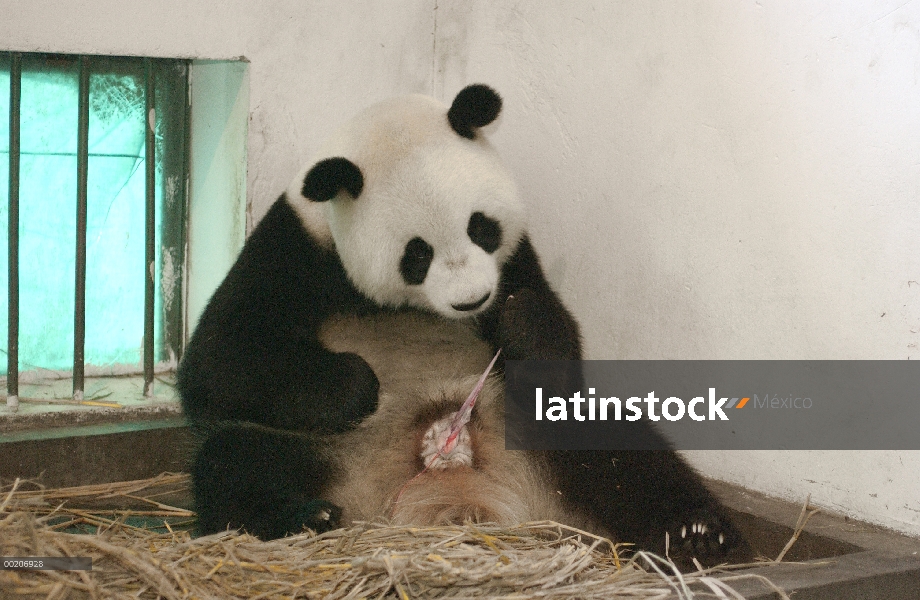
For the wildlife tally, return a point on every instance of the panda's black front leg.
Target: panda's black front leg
(304, 388)
(648, 497)
(536, 326)
(282, 381)
(265, 481)
(528, 320)
(341, 391)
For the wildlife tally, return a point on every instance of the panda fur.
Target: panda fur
(354, 324)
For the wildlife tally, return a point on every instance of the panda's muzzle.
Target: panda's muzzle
(472, 305)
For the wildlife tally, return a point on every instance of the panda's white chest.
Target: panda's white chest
(409, 348)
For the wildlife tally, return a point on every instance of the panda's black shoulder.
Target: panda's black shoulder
(282, 277)
(256, 348)
(279, 244)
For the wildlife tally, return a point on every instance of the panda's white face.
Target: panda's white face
(434, 233)
(436, 219)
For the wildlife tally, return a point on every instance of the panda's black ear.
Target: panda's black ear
(476, 105)
(330, 175)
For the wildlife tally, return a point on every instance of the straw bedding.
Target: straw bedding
(143, 549)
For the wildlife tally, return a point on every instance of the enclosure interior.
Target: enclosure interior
(705, 180)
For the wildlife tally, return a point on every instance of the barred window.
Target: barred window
(94, 155)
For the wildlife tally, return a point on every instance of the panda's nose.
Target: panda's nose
(472, 305)
(456, 262)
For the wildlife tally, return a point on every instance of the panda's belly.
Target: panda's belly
(408, 348)
(427, 366)
(384, 472)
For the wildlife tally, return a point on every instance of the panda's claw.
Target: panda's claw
(318, 515)
(710, 540)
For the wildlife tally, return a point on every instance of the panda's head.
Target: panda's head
(416, 202)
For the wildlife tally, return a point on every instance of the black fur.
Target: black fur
(475, 106)
(640, 495)
(637, 495)
(484, 232)
(415, 261)
(328, 176)
(270, 489)
(255, 355)
(527, 319)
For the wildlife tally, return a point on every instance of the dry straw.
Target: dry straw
(531, 560)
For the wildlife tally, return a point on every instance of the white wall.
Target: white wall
(723, 180)
(708, 179)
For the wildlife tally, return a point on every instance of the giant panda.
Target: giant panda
(327, 367)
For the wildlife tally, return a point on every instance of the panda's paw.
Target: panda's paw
(530, 329)
(358, 389)
(708, 539)
(318, 515)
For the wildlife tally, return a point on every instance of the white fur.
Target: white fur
(421, 179)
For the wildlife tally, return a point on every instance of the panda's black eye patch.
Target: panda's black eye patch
(415, 261)
(484, 232)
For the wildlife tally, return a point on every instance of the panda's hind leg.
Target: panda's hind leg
(265, 481)
(651, 498)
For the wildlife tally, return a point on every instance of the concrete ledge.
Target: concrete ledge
(47, 403)
(841, 559)
(869, 575)
(91, 454)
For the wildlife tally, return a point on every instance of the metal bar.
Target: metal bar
(12, 356)
(172, 139)
(179, 314)
(150, 229)
(79, 313)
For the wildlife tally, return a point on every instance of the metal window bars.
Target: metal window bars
(176, 236)
(12, 376)
(150, 228)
